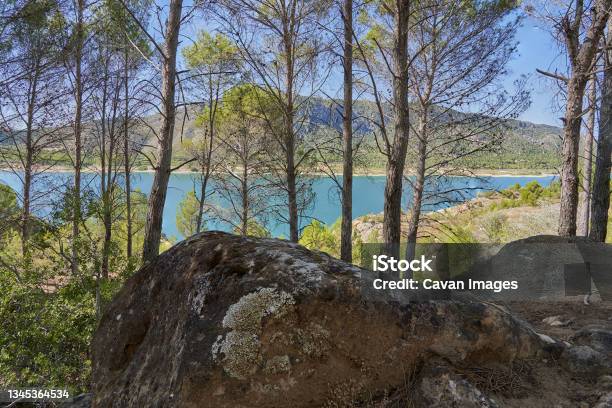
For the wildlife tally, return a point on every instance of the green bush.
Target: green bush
(45, 336)
(496, 227)
(317, 236)
(529, 195)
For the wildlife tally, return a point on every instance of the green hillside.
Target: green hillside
(522, 145)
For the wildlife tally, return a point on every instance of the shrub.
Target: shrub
(317, 236)
(496, 227)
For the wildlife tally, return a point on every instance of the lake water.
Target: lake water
(367, 194)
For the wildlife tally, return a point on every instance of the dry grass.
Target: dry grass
(347, 395)
(511, 381)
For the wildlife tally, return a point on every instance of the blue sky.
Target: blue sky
(537, 49)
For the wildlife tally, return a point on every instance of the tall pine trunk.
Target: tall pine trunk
(245, 197)
(104, 176)
(569, 169)
(600, 198)
(581, 65)
(126, 157)
(294, 231)
(346, 229)
(203, 188)
(291, 179)
(78, 143)
(397, 155)
(157, 197)
(27, 170)
(587, 173)
(25, 211)
(206, 166)
(419, 185)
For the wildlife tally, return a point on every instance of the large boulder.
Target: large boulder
(548, 267)
(225, 321)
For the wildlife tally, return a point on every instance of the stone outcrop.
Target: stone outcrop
(225, 321)
(548, 267)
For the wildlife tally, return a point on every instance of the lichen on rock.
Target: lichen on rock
(278, 364)
(313, 340)
(248, 312)
(239, 351)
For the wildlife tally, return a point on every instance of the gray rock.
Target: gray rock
(449, 391)
(585, 362)
(605, 382)
(224, 321)
(598, 338)
(548, 267)
(605, 401)
(80, 401)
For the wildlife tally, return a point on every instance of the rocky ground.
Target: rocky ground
(581, 380)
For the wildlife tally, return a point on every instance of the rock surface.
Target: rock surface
(80, 401)
(605, 401)
(444, 389)
(547, 267)
(599, 338)
(225, 321)
(585, 361)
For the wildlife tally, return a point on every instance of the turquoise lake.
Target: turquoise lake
(367, 194)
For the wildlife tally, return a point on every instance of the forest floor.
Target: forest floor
(575, 313)
(546, 377)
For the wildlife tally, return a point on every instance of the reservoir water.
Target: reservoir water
(367, 194)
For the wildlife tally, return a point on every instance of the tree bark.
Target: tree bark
(245, 196)
(346, 229)
(126, 158)
(569, 170)
(157, 197)
(585, 206)
(203, 188)
(600, 198)
(25, 217)
(104, 177)
(581, 59)
(294, 229)
(206, 167)
(107, 236)
(419, 185)
(397, 155)
(108, 188)
(27, 170)
(78, 145)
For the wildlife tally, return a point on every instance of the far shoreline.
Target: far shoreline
(359, 173)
